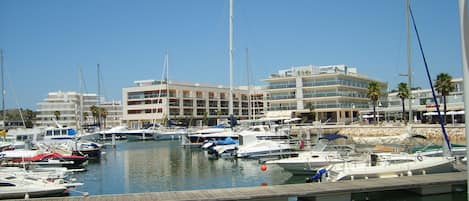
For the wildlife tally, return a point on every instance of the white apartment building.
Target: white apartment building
(149, 102)
(67, 106)
(332, 93)
(424, 107)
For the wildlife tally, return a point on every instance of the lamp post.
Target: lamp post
(351, 113)
(379, 105)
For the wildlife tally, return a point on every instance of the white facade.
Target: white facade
(149, 101)
(423, 104)
(333, 93)
(68, 106)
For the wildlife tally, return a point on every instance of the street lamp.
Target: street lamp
(379, 105)
(351, 113)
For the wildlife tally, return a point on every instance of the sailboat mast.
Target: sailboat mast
(249, 84)
(3, 89)
(464, 28)
(409, 61)
(230, 103)
(81, 101)
(99, 99)
(167, 85)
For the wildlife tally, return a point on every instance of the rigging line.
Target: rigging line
(103, 92)
(17, 102)
(82, 79)
(440, 119)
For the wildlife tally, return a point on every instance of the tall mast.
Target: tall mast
(167, 84)
(81, 100)
(409, 61)
(230, 103)
(99, 98)
(3, 89)
(249, 84)
(464, 28)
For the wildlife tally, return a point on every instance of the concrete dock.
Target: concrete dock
(422, 184)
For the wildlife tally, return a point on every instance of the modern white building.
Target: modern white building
(333, 93)
(190, 103)
(424, 107)
(64, 108)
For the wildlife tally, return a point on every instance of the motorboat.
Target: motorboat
(170, 133)
(38, 157)
(24, 187)
(263, 141)
(322, 154)
(412, 164)
(198, 138)
(59, 133)
(74, 147)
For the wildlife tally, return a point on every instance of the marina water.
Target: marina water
(156, 166)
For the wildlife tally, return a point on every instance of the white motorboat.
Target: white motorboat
(413, 164)
(23, 187)
(198, 138)
(263, 141)
(322, 154)
(170, 133)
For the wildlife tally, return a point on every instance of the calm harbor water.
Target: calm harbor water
(155, 166)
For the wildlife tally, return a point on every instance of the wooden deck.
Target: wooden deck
(316, 191)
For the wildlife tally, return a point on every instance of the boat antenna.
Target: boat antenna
(447, 143)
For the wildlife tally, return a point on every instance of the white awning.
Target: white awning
(366, 116)
(447, 113)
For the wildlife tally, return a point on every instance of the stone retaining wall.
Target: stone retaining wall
(432, 132)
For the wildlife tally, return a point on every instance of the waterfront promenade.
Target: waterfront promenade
(421, 184)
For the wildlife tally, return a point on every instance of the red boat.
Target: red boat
(75, 161)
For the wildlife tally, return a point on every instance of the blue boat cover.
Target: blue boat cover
(226, 141)
(71, 131)
(332, 137)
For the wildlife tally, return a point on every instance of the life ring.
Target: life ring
(420, 158)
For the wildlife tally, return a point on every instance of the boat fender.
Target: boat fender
(420, 158)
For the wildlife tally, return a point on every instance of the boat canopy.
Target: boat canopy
(332, 137)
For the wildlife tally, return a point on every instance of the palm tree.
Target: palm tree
(85, 116)
(444, 86)
(103, 113)
(57, 115)
(374, 92)
(403, 93)
(310, 106)
(94, 113)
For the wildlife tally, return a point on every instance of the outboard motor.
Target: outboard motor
(317, 176)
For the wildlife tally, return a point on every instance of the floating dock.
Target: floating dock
(422, 184)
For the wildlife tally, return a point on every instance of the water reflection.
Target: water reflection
(155, 166)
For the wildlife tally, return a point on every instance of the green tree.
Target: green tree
(94, 113)
(310, 106)
(403, 93)
(444, 86)
(374, 92)
(85, 116)
(29, 118)
(57, 115)
(103, 113)
(205, 120)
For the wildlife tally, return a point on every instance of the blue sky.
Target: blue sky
(46, 41)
